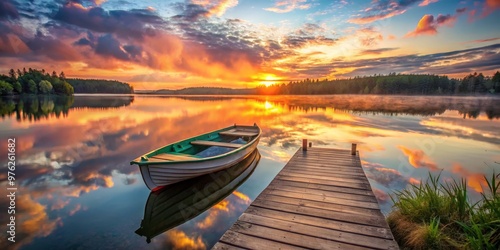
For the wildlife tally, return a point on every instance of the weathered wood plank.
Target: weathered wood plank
(251, 242)
(321, 199)
(338, 194)
(323, 182)
(326, 168)
(238, 133)
(171, 157)
(326, 178)
(307, 171)
(223, 246)
(267, 196)
(343, 215)
(296, 239)
(328, 161)
(326, 164)
(320, 222)
(320, 188)
(319, 232)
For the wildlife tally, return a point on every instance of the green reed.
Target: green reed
(431, 215)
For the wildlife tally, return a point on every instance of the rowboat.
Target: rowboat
(199, 155)
(175, 204)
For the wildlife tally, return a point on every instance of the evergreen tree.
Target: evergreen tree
(496, 82)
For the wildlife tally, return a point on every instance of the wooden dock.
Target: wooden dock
(321, 199)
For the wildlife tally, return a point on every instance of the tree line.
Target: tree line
(100, 86)
(407, 84)
(33, 81)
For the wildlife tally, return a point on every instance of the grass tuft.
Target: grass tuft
(431, 215)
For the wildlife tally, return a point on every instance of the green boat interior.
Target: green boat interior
(202, 146)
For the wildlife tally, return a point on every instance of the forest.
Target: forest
(40, 82)
(34, 82)
(391, 84)
(404, 84)
(100, 86)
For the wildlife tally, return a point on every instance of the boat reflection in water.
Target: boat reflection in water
(177, 203)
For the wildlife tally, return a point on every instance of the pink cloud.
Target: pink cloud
(472, 13)
(485, 9)
(373, 18)
(428, 24)
(285, 6)
(484, 40)
(489, 7)
(427, 2)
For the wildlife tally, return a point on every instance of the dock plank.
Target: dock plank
(338, 194)
(319, 232)
(321, 199)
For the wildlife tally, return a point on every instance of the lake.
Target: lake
(76, 188)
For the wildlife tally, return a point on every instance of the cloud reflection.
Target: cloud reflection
(475, 181)
(388, 177)
(176, 239)
(418, 159)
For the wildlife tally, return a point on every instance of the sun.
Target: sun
(269, 79)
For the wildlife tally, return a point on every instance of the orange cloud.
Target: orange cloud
(414, 181)
(242, 196)
(428, 25)
(179, 240)
(32, 221)
(218, 7)
(168, 52)
(475, 181)
(371, 147)
(220, 207)
(373, 18)
(418, 159)
(427, 2)
(99, 2)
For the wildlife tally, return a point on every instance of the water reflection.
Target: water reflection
(468, 107)
(73, 173)
(34, 108)
(180, 202)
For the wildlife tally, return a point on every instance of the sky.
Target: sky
(155, 44)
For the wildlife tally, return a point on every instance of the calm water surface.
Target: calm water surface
(76, 188)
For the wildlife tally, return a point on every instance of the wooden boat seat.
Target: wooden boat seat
(215, 143)
(239, 133)
(173, 157)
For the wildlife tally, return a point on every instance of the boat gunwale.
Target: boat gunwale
(198, 160)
